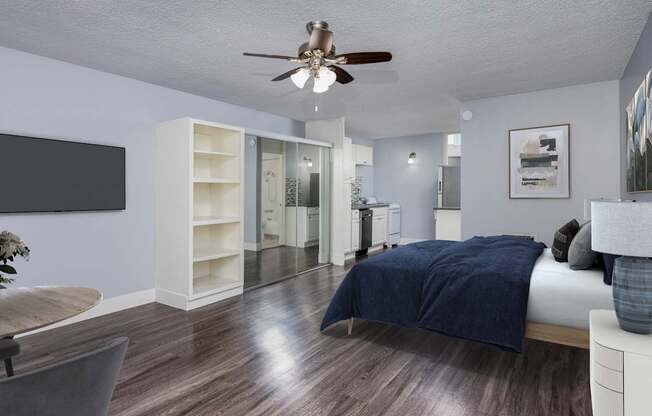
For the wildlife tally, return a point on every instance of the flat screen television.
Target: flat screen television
(45, 175)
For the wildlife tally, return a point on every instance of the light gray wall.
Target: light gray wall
(639, 65)
(411, 186)
(592, 111)
(111, 251)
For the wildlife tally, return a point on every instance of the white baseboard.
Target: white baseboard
(337, 259)
(179, 301)
(405, 241)
(253, 246)
(167, 297)
(374, 249)
(106, 306)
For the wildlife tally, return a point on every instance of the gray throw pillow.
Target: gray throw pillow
(580, 255)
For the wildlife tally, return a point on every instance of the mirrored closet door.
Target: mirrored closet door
(313, 247)
(287, 222)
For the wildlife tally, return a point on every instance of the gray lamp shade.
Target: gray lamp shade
(622, 228)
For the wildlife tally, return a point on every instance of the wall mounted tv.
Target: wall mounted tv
(44, 175)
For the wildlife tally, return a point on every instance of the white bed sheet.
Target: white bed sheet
(561, 296)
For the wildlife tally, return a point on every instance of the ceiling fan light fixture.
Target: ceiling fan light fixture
(324, 79)
(320, 85)
(328, 75)
(300, 77)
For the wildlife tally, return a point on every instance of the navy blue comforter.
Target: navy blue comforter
(475, 289)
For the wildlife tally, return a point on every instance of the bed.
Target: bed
(481, 289)
(560, 300)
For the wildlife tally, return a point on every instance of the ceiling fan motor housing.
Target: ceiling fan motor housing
(306, 48)
(320, 24)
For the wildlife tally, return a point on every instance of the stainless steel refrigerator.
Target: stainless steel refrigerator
(448, 187)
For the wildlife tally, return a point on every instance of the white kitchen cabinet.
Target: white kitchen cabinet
(355, 235)
(448, 224)
(355, 230)
(305, 232)
(379, 226)
(363, 155)
(313, 224)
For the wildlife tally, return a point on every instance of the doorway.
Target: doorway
(272, 182)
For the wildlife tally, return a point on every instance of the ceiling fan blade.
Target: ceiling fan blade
(286, 75)
(358, 58)
(321, 39)
(343, 77)
(262, 55)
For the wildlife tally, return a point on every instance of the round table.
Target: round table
(24, 309)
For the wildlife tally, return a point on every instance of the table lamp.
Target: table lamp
(625, 229)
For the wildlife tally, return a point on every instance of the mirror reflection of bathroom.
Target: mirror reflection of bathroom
(273, 206)
(284, 184)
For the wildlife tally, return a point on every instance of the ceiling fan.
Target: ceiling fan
(319, 60)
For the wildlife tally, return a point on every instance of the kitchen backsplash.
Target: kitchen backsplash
(356, 191)
(291, 186)
(290, 192)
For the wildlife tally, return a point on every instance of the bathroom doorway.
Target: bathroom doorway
(272, 182)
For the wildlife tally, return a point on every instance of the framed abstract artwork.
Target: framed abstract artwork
(539, 162)
(638, 119)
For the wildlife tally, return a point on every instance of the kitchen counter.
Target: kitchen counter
(367, 206)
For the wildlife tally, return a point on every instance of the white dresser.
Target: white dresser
(621, 368)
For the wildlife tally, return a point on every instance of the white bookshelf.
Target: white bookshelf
(199, 212)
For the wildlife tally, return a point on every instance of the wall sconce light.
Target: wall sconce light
(467, 115)
(307, 161)
(412, 158)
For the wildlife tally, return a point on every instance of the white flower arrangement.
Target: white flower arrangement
(11, 246)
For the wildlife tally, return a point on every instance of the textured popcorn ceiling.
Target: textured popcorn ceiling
(444, 51)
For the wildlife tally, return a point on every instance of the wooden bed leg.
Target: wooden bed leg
(350, 326)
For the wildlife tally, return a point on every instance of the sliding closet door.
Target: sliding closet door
(287, 209)
(313, 217)
(270, 213)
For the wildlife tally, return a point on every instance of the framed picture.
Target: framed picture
(539, 162)
(638, 116)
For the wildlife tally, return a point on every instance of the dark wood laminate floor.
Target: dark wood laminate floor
(263, 354)
(269, 265)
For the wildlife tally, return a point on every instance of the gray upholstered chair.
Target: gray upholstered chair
(8, 349)
(80, 386)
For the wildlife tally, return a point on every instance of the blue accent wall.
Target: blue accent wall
(414, 186)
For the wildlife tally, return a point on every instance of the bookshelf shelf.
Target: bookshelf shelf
(198, 221)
